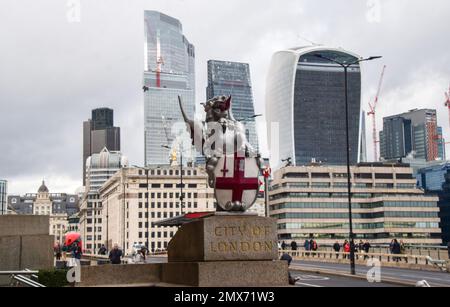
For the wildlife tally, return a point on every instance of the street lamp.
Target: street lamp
(181, 176)
(346, 65)
(147, 206)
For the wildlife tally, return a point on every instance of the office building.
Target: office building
(305, 98)
(363, 145)
(444, 205)
(99, 168)
(169, 73)
(132, 200)
(98, 133)
(312, 202)
(59, 206)
(414, 133)
(233, 79)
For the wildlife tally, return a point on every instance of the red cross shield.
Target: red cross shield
(236, 181)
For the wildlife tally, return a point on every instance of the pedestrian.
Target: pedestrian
(102, 250)
(314, 247)
(57, 250)
(391, 246)
(288, 258)
(337, 249)
(396, 250)
(143, 252)
(294, 245)
(346, 249)
(366, 248)
(115, 255)
(77, 252)
(283, 246)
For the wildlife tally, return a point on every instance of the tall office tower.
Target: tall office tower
(413, 133)
(363, 145)
(99, 133)
(305, 97)
(441, 144)
(169, 73)
(231, 78)
(3, 193)
(99, 169)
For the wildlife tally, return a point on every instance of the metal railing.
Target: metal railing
(23, 278)
(332, 256)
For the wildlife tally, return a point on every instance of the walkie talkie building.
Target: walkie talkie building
(306, 97)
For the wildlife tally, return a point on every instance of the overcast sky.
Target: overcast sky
(54, 68)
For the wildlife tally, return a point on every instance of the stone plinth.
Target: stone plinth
(225, 238)
(227, 273)
(226, 250)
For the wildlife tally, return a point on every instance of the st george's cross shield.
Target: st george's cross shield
(236, 182)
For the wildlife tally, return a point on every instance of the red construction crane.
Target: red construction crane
(447, 101)
(373, 108)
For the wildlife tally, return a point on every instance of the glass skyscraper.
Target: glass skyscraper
(305, 96)
(231, 78)
(169, 73)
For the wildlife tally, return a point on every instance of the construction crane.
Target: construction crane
(447, 101)
(373, 109)
(159, 60)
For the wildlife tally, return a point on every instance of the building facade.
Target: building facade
(432, 177)
(127, 215)
(312, 202)
(3, 195)
(58, 206)
(99, 168)
(444, 205)
(414, 133)
(233, 79)
(305, 99)
(99, 133)
(169, 73)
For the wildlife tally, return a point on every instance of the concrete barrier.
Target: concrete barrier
(120, 275)
(25, 243)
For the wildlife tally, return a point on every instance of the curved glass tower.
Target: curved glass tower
(305, 96)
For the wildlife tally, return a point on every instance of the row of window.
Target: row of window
(329, 205)
(168, 195)
(332, 195)
(344, 175)
(364, 226)
(171, 172)
(344, 185)
(158, 234)
(375, 215)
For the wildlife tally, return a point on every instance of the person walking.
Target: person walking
(283, 246)
(115, 255)
(57, 251)
(102, 250)
(366, 248)
(396, 250)
(346, 249)
(288, 258)
(337, 249)
(294, 246)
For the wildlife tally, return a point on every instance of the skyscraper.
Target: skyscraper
(305, 97)
(169, 73)
(99, 133)
(413, 133)
(231, 78)
(3, 193)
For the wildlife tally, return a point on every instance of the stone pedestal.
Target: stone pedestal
(226, 250)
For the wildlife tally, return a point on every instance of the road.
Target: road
(314, 280)
(435, 279)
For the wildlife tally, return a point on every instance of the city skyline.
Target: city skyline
(65, 76)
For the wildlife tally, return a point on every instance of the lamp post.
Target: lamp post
(346, 65)
(147, 206)
(181, 176)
